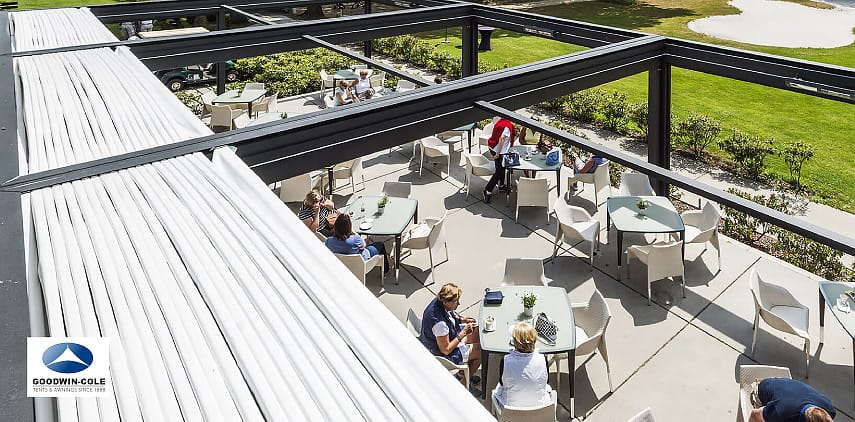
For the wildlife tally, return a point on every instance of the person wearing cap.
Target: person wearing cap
(362, 85)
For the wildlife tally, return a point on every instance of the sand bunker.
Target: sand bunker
(781, 24)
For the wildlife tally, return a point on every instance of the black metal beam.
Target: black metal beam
(250, 16)
(659, 120)
(121, 12)
(759, 68)
(356, 130)
(794, 224)
(470, 48)
(379, 65)
(578, 33)
(14, 305)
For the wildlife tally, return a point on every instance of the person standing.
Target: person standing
(500, 143)
(788, 400)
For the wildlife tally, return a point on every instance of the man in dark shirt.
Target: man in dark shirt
(786, 400)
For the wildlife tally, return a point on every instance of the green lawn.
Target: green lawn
(45, 4)
(766, 112)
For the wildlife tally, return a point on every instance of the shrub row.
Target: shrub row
(289, 73)
(790, 247)
(423, 54)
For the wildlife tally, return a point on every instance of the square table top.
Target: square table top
(236, 97)
(552, 301)
(464, 128)
(830, 290)
(345, 74)
(397, 216)
(661, 216)
(265, 118)
(538, 160)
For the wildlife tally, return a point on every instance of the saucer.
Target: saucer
(844, 310)
(365, 226)
(368, 221)
(490, 330)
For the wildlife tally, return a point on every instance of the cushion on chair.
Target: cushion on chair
(796, 317)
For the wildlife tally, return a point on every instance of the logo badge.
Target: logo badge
(68, 367)
(67, 358)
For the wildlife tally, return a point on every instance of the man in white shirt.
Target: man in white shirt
(362, 85)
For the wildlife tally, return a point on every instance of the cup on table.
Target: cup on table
(489, 323)
(843, 302)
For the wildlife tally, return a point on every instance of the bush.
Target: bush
(748, 151)
(795, 155)
(811, 256)
(290, 73)
(422, 53)
(193, 101)
(583, 105)
(615, 170)
(638, 113)
(696, 132)
(615, 111)
(748, 229)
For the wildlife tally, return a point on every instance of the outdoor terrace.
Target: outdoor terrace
(680, 359)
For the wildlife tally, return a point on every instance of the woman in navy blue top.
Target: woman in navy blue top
(344, 241)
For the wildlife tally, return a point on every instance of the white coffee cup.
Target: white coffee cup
(488, 323)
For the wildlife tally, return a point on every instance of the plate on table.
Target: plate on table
(365, 226)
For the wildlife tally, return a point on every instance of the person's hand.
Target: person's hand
(328, 203)
(316, 207)
(467, 320)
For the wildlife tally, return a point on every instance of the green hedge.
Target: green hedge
(290, 73)
(423, 54)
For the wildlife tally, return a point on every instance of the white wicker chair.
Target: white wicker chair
(241, 121)
(635, 184)
(544, 413)
(532, 193)
(326, 82)
(477, 165)
(662, 259)
(350, 170)
(702, 227)
(599, 178)
(254, 86)
(360, 267)
(428, 235)
(296, 188)
(747, 375)
(645, 415)
(207, 102)
(524, 272)
(397, 189)
(270, 104)
(414, 323)
(223, 116)
(485, 134)
(781, 310)
(575, 224)
(432, 146)
(405, 85)
(591, 319)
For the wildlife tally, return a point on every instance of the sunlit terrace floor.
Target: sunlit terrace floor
(682, 360)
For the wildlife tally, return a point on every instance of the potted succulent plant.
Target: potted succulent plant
(528, 299)
(381, 205)
(642, 206)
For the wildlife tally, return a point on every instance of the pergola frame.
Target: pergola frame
(279, 150)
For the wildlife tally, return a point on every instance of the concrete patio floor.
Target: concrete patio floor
(680, 359)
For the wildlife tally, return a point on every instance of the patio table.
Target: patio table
(537, 163)
(247, 96)
(552, 301)
(661, 217)
(392, 222)
(828, 294)
(468, 130)
(265, 118)
(345, 74)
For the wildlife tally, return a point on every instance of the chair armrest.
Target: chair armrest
(692, 218)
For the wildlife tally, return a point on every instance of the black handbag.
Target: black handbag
(493, 297)
(512, 159)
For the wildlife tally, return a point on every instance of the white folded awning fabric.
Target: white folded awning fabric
(218, 303)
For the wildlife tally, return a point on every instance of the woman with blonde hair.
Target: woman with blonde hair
(523, 373)
(447, 334)
(317, 213)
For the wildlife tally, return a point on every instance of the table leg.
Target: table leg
(558, 180)
(469, 139)
(571, 357)
(249, 108)
(822, 318)
(330, 177)
(485, 365)
(397, 255)
(683, 238)
(619, 250)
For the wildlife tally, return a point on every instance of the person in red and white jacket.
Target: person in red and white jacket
(499, 143)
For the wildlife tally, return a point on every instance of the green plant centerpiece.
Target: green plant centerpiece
(283, 115)
(642, 205)
(528, 299)
(543, 146)
(381, 205)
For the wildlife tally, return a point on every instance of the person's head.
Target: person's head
(524, 337)
(449, 295)
(312, 198)
(363, 73)
(817, 414)
(342, 84)
(342, 227)
(437, 79)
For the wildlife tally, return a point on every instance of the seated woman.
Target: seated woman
(316, 213)
(523, 373)
(586, 167)
(447, 334)
(529, 136)
(343, 94)
(345, 241)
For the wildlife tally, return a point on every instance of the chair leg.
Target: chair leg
(807, 358)
(555, 244)
(592, 255)
(430, 258)
(683, 279)
(756, 328)
(421, 162)
(449, 165)
(558, 377)
(517, 215)
(352, 183)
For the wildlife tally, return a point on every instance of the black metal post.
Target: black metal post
(221, 66)
(659, 121)
(367, 43)
(470, 48)
(14, 309)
